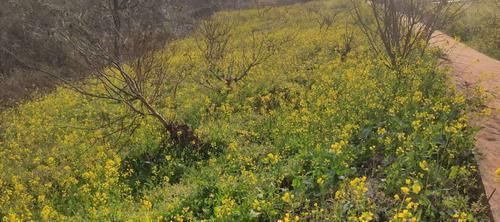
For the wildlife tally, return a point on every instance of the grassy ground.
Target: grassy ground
(309, 135)
(479, 27)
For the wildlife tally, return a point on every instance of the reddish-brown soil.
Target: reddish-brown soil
(472, 68)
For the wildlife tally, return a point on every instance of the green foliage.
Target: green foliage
(479, 27)
(306, 136)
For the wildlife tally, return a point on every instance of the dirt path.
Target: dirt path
(471, 67)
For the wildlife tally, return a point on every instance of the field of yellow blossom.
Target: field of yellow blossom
(309, 135)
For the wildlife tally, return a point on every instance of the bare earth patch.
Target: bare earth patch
(470, 67)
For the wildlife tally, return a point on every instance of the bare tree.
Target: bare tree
(226, 63)
(347, 43)
(399, 29)
(122, 43)
(325, 20)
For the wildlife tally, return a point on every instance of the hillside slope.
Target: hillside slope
(318, 131)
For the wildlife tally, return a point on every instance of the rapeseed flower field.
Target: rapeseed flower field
(307, 135)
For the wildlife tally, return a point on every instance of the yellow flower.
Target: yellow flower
(166, 179)
(460, 217)
(381, 131)
(404, 214)
(423, 165)
(396, 197)
(286, 218)
(337, 147)
(287, 197)
(320, 181)
(412, 205)
(146, 204)
(459, 99)
(109, 164)
(41, 198)
(11, 217)
(47, 213)
(416, 188)
(416, 124)
(405, 190)
(417, 96)
(339, 195)
(366, 217)
(272, 158)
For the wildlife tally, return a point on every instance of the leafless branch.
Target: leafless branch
(396, 30)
